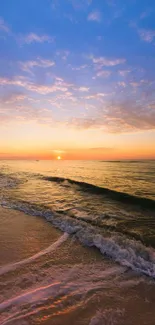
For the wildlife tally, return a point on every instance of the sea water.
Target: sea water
(77, 242)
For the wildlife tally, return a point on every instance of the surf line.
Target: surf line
(51, 248)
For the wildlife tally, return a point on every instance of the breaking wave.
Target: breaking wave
(127, 252)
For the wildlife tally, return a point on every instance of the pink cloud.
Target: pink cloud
(102, 61)
(146, 35)
(36, 38)
(94, 16)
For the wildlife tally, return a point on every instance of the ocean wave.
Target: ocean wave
(8, 181)
(127, 252)
(112, 194)
(127, 161)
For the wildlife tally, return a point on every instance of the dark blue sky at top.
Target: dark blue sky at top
(68, 23)
(78, 34)
(25, 16)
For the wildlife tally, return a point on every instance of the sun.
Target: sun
(59, 158)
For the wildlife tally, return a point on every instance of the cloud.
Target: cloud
(63, 54)
(114, 117)
(57, 86)
(25, 113)
(3, 26)
(126, 117)
(43, 63)
(122, 84)
(97, 96)
(35, 38)
(84, 123)
(71, 18)
(102, 61)
(146, 13)
(84, 89)
(124, 73)
(130, 116)
(103, 74)
(84, 66)
(146, 35)
(12, 98)
(95, 16)
(134, 84)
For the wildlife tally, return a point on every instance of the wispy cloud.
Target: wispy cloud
(57, 86)
(126, 117)
(146, 35)
(84, 89)
(122, 84)
(14, 97)
(124, 73)
(84, 66)
(15, 106)
(95, 16)
(36, 38)
(71, 18)
(63, 54)
(3, 26)
(43, 63)
(102, 61)
(96, 96)
(103, 74)
(145, 13)
(134, 84)
(24, 114)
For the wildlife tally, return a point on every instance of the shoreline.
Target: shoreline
(69, 285)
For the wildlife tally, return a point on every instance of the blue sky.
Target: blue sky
(81, 65)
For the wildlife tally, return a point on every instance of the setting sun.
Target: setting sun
(58, 158)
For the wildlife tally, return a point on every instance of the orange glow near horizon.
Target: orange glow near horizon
(45, 143)
(81, 154)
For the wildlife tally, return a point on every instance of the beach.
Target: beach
(60, 264)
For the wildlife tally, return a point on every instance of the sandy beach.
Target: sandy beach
(70, 284)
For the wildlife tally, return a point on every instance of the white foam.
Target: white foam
(127, 252)
(51, 248)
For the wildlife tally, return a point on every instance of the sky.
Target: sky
(77, 79)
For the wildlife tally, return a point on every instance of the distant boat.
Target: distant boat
(37, 160)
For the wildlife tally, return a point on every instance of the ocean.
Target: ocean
(77, 242)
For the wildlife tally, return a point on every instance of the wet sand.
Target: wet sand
(22, 236)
